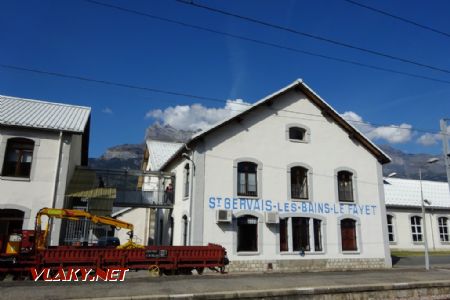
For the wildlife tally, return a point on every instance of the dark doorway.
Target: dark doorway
(247, 233)
(11, 220)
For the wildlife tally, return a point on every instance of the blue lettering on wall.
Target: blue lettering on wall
(268, 206)
(212, 202)
(293, 207)
(305, 207)
(227, 204)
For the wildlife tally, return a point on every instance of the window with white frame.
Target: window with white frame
(247, 234)
(247, 179)
(345, 186)
(18, 157)
(443, 229)
(297, 134)
(299, 183)
(416, 229)
(390, 228)
(300, 234)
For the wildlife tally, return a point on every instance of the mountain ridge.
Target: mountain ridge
(130, 156)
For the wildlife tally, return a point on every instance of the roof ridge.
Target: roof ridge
(368, 144)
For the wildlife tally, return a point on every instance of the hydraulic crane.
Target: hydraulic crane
(73, 214)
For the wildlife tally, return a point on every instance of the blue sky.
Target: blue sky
(84, 39)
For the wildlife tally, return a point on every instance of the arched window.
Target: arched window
(345, 186)
(297, 134)
(390, 228)
(185, 230)
(348, 235)
(416, 228)
(299, 183)
(247, 179)
(443, 229)
(18, 158)
(187, 175)
(247, 234)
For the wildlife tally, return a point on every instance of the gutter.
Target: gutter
(57, 175)
(191, 189)
(58, 167)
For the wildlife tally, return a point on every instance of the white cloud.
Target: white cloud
(394, 134)
(430, 139)
(399, 134)
(107, 111)
(196, 116)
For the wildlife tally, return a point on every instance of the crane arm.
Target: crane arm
(73, 214)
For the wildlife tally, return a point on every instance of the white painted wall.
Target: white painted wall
(143, 221)
(261, 136)
(30, 195)
(182, 204)
(403, 234)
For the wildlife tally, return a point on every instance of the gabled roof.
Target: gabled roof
(406, 193)
(159, 152)
(43, 115)
(317, 100)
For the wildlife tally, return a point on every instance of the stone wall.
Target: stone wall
(292, 265)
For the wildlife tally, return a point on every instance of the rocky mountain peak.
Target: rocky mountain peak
(168, 133)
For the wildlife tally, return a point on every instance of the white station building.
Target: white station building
(40, 145)
(287, 184)
(406, 226)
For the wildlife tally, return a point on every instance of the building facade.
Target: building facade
(406, 226)
(287, 184)
(40, 145)
(152, 224)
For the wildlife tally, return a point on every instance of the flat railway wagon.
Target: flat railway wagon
(28, 250)
(169, 260)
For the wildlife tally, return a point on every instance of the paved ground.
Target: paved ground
(139, 283)
(417, 261)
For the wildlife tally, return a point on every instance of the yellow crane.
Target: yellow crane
(73, 214)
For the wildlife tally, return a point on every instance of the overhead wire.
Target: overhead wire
(265, 43)
(312, 36)
(405, 20)
(188, 95)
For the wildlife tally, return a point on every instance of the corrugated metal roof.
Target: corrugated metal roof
(40, 114)
(406, 192)
(159, 152)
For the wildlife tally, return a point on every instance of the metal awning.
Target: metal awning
(126, 188)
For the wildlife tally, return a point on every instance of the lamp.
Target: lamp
(423, 201)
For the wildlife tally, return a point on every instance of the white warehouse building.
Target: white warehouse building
(287, 184)
(404, 214)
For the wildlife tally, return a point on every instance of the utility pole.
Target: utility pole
(445, 134)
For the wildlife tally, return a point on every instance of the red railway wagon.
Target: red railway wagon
(167, 259)
(28, 249)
